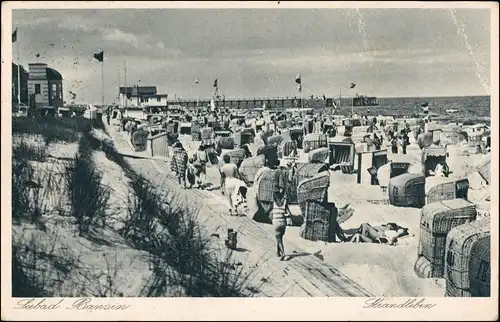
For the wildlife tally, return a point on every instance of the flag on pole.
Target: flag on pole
(215, 83)
(324, 97)
(299, 88)
(197, 81)
(352, 85)
(99, 56)
(298, 79)
(14, 36)
(425, 107)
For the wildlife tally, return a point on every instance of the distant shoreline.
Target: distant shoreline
(431, 97)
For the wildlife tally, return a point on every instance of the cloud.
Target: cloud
(118, 35)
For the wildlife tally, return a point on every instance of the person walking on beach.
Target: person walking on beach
(280, 214)
(200, 162)
(376, 141)
(227, 171)
(405, 141)
(179, 163)
(228, 175)
(394, 144)
(191, 173)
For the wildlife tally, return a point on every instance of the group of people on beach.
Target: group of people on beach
(191, 171)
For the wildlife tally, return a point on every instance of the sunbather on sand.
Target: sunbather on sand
(385, 234)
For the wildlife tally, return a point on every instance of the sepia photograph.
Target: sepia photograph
(262, 151)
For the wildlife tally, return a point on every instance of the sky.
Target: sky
(259, 52)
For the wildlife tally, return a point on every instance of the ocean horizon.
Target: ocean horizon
(467, 106)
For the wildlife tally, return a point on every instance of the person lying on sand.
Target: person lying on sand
(384, 234)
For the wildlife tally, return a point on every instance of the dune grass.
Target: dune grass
(181, 256)
(170, 233)
(52, 129)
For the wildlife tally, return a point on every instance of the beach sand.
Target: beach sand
(382, 270)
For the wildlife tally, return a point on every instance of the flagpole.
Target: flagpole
(118, 86)
(352, 106)
(126, 88)
(18, 74)
(300, 94)
(102, 84)
(340, 99)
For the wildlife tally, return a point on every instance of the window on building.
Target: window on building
(158, 99)
(142, 99)
(38, 89)
(54, 91)
(146, 100)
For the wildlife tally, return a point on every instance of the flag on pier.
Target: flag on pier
(215, 83)
(298, 79)
(99, 56)
(352, 85)
(425, 107)
(14, 36)
(197, 81)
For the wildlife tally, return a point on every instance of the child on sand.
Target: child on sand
(280, 213)
(191, 173)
